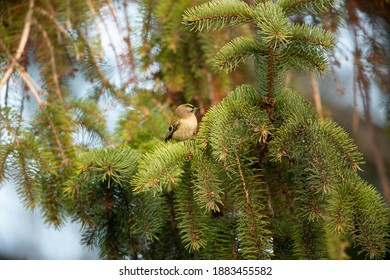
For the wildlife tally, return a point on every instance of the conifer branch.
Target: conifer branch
(26, 182)
(107, 206)
(265, 178)
(26, 31)
(313, 35)
(22, 43)
(151, 216)
(246, 193)
(217, 14)
(271, 73)
(236, 51)
(51, 207)
(7, 75)
(88, 115)
(145, 222)
(56, 135)
(341, 217)
(8, 125)
(207, 185)
(251, 222)
(372, 216)
(108, 32)
(100, 74)
(272, 24)
(310, 60)
(189, 219)
(360, 213)
(31, 84)
(5, 152)
(161, 168)
(343, 143)
(316, 94)
(68, 15)
(62, 30)
(130, 49)
(309, 240)
(52, 61)
(305, 6)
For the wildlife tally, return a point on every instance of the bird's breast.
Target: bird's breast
(186, 129)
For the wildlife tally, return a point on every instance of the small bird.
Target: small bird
(183, 123)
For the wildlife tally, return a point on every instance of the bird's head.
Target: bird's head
(185, 110)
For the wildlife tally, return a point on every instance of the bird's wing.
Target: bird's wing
(172, 129)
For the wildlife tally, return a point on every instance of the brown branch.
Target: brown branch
(271, 72)
(34, 88)
(363, 85)
(102, 76)
(130, 52)
(65, 159)
(22, 44)
(26, 31)
(246, 192)
(60, 28)
(42, 104)
(7, 75)
(32, 85)
(316, 94)
(10, 129)
(52, 61)
(355, 116)
(108, 33)
(336, 78)
(112, 9)
(94, 16)
(105, 81)
(68, 14)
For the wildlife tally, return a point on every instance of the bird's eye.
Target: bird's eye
(191, 107)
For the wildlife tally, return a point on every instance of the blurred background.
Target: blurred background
(136, 60)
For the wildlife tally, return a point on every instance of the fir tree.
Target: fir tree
(39, 152)
(185, 72)
(280, 181)
(266, 177)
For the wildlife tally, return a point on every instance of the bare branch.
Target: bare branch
(7, 75)
(130, 50)
(31, 84)
(22, 44)
(68, 13)
(26, 31)
(108, 33)
(61, 28)
(52, 60)
(10, 129)
(316, 94)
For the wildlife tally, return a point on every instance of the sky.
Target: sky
(23, 234)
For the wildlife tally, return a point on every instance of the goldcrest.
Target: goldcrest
(183, 123)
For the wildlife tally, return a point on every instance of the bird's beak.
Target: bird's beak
(196, 109)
